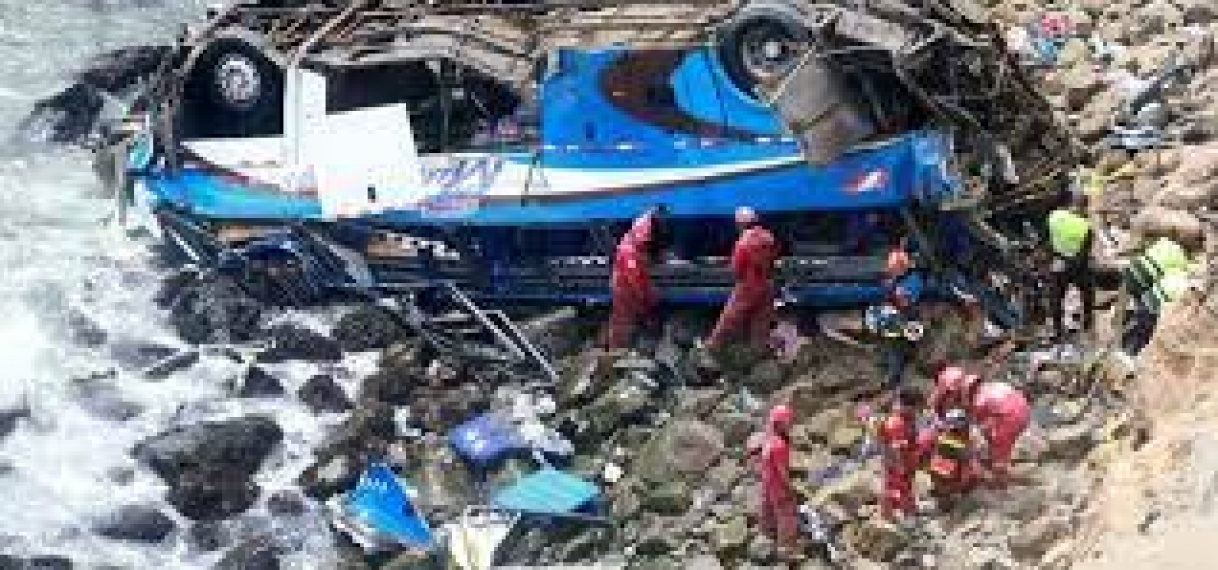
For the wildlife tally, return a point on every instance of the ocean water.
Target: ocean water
(61, 263)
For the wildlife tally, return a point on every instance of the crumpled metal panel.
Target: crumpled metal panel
(820, 111)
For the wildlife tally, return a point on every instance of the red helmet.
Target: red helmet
(898, 263)
(781, 417)
(641, 229)
(897, 431)
(952, 379)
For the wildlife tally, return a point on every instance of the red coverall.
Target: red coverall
(634, 297)
(751, 306)
(778, 515)
(901, 455)
(998, 408)
(1003, 413)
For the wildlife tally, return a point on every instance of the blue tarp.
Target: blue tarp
(548, 491)
(380, 502)
(486, 439)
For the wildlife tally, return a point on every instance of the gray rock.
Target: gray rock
(212, 495)
(876, 539)
(334, 475)
(84, 331)
(258, 383)
(732, 535)
(121, 68)
(1032, 540)
(10, 418)
(135, 523)
(139, 355)
(254, 554)
(214, 310)
(369, 427)
(9, 562)
(207, 536)
(443, 479)
(761, 549)
(286, 503)
(671, 498)
(170, 365)
(413, 561)
(1198, 11)
(208, 466)
(767, 376)
(293, 342)
(322, 394)
(238, 445)
(368, 328)
(683, 447)
(103, 400)
(390, 387)
(69, 116)
(1070, 443)
(698, 402)
(655, 542)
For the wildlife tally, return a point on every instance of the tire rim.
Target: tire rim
(238, 81)
(768, 51)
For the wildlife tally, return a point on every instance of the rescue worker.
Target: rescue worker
(898, 439)
(1153, 279)
(778, 517)
(1070, 239)
(951, 455)
(750, 309)
(634, 296)
(1001, 411)
(903, 291)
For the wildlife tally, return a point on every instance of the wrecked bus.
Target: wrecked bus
(505, 147)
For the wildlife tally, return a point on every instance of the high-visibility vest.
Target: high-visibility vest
(950, 453)
(1067, 232)
(1159, 275)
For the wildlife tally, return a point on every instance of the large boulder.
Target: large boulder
(369, 426)
(10, 562)
(390, 387)
(209, 466)
(10, 418)
(322, 394)
(121, 68)
(623, 404)
(69, 116)
(256, 382)
(293, 342)
(682, 448)
(368, 327)
(214, 310)
(135, 523)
